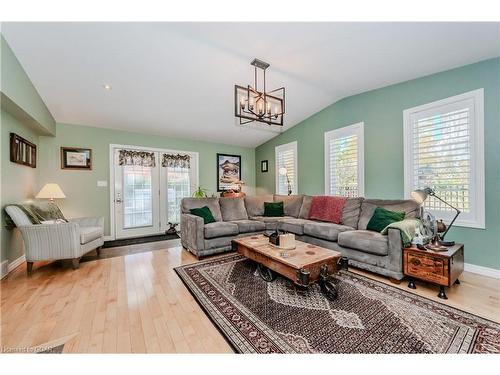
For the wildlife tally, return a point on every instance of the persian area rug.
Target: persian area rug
(367, 317)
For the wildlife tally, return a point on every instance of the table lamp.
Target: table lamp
(283, 171)
(52, 191)
(420, 196)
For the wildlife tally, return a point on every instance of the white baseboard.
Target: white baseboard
(485, 271)
(8, 267)
(15, 263)
(5, 268)
(109, 238)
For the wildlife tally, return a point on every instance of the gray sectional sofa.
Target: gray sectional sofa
(237, 217)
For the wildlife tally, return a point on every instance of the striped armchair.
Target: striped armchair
(68, 240)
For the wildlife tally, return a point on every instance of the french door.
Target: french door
(147, 199)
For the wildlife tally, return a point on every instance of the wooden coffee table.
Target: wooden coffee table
(304, 265)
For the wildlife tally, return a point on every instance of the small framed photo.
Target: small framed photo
(264, 166)
(76, 158)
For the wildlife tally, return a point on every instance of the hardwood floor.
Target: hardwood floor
(136, 303)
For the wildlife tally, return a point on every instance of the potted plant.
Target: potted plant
(200, 192)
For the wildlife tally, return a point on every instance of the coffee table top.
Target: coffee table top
(302, 256)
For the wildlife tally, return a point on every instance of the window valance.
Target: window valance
(141, 158)
(176, 161)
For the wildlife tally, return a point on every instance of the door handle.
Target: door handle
(118, 200)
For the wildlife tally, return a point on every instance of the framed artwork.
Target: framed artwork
(22, 151)
(264, 166)
(76, 158)
(228, 172)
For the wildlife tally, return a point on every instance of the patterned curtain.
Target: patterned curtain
(173, 161)
(142, 158)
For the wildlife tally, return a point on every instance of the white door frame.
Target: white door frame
(112, 147)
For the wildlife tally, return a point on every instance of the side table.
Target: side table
(441, 268)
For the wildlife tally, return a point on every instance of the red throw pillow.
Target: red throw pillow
(327, 208)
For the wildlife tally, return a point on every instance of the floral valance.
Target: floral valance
(141, 158)
(176, 161)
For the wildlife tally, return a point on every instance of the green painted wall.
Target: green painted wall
(18, 183)
(22, 98)
(84, 198)
(381, 111)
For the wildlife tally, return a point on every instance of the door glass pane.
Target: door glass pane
(137, 196)
(178, 187)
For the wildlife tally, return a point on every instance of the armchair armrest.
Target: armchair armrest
(192, 236)
(88, 221)
(51, 241)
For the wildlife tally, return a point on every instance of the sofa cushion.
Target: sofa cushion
(88, 234)
(365, 240)
(325, 231)
(270, 221)
(220, 229)
(213, 203)
(305, 207)
(203, 212)
(233, 209)
(293, 225)
(292, 203)
(272, 209)
(246, 226)
(368, 206)
(350, 213)
(255, 204)
(382, 218)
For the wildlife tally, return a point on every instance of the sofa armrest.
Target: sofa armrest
(192, 236)
(51, 241)
(89, 221)
(395, 249)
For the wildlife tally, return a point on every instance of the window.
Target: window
(444, 150)
(286, 157)
(344, 161)
(178, 187)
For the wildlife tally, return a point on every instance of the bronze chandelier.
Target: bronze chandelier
(250, 104)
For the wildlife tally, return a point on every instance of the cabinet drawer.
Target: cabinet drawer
(427, 268)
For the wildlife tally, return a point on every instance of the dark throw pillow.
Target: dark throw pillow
(274, 209)
(205, 213)
(382, 218)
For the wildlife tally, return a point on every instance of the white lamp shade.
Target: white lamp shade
(50, 191)
(283, 171)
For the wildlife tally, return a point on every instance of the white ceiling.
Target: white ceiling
(177, 79)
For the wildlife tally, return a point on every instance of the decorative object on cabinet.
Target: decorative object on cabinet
(22, 151)
(420, 196)
(76, 158)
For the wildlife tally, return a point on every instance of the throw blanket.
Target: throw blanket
(407, 228)
(326, 208)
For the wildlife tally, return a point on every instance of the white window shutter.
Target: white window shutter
(344, 162)
(286, 157)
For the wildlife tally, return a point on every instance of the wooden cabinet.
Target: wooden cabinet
(440, 268)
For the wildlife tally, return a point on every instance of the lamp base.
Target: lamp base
(447, 243)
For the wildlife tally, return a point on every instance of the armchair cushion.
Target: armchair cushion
(88, 234)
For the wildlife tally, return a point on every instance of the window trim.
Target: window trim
(477, 154)
(358, 129)
(284, 147)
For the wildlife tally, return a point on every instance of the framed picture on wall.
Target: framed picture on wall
(264, 166)
(228, 172)
(76, 158)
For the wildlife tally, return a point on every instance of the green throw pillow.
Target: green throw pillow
(274, 209)
(205, 213)
(382, 218)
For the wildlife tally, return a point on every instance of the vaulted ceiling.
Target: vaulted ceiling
(177, 79)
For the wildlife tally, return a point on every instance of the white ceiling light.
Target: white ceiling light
(107, 87)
